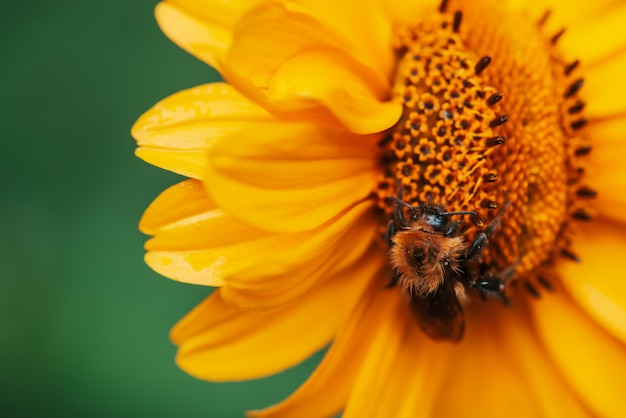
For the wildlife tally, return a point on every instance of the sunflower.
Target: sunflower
(490, 130)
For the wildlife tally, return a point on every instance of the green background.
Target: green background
(84, 322)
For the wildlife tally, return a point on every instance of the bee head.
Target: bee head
(436, 220)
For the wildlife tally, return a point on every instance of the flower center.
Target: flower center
(492, 123)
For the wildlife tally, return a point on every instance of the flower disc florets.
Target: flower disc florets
(476, 135)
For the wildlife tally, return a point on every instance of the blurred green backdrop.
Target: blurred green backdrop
(84, 323)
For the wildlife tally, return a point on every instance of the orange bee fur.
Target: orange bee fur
(434, 265)
(423, 258)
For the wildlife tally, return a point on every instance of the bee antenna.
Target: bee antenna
(401, 202)
(469, 212)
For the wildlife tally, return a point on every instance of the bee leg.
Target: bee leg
(400, 216)
(495, 223)
(477, 246)
(482, 238)
(454, 226)
(489, 285)
(493, 285)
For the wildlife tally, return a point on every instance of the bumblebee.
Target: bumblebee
(435, 266)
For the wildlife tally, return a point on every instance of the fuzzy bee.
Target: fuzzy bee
(434, 265)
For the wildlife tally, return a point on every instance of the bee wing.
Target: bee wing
(439, 313)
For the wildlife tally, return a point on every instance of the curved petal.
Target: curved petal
(311, 260)
(184, 218)
(207, 42)
(188, 163)
(183, 200)
(201, 250)
(176, 133)
(362, 25)
(349, 248)
(349, 92)
(220, 342)
(282, 47)
(292, 177)
(202, 28)
(342, 362)
(592, 361)
(606, 171)
(277, 30)
(597, 283)
(223, 13)
(271, 33)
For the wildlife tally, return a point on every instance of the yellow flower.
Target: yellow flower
(331, 112)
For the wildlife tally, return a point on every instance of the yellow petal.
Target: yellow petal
(293, 156)
(398, 377)
(591, 360)
(425, 376)
(207, 42)
(222, 13)
(219, 342)
(597, 282)
(176, 133)
(257, 261)
(595, 38)
(343, 361)
(499, 358)
(607, 140)
(185, 120)
(183, 200)
(270, 34)
(567, 14)
(184, 218)
(292, 177)
(186, 163)
(604, 83)
(317, 63)
(606, 171)
(260, 296)
(481, 365)
(362, 25)
(332, 252)
(502, 357)
(348, 91)
(408, 11)
(536, 373)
